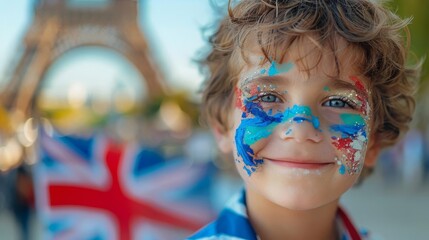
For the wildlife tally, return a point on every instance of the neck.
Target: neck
(276, 222)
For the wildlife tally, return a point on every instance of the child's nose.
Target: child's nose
(301, 129)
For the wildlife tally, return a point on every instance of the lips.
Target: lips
(296, 163)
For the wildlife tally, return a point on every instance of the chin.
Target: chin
(281, 187)
(298, 196)
(300, 205)
(298, 201)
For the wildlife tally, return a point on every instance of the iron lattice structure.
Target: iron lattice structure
(58, 27)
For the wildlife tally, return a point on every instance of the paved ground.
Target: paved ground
(9, 231)
(390, 211)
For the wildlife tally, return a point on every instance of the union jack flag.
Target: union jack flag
(96, 188)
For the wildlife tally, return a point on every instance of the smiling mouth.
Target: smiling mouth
(299, 164)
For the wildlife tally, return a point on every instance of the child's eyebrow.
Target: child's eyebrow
(336, 83)
(262, 79)
(345, 85)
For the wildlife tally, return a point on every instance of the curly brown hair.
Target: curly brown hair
(380, 37)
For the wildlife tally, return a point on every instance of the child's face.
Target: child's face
(300, 139)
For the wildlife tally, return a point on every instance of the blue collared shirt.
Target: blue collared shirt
(233, 224)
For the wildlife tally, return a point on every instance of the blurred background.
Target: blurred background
(100, 133)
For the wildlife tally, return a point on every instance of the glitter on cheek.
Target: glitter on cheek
(352, 142)
(365, 108)
(342, 169)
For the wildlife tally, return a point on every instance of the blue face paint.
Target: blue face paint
(353, 125)
(276, 68)
(300, 119)
(314, 120)
(244, 135)
(316, 123)
(342, 169)
(262, 125)
(352, 141)
(297, 112)
(246, 152)
(352, 119)
(348, 130)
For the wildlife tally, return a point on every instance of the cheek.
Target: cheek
(350, 139)
(351, 153)
(254, 135)
(331, 117)
(250, 135)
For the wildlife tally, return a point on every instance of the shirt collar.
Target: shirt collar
(233, 223)
(346, 229)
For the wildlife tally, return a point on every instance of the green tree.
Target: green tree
(417, 9)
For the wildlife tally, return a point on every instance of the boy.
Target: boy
(304, 94)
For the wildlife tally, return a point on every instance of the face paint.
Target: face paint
(239, 101)
(342, 169)
(276, 68)
(257, 124)
(365, 108)
(244, 135)
(352, 141)
(353, 138)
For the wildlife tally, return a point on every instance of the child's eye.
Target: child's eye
(268, 98)
(339, 103)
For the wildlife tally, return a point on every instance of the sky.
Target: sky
(173, 29)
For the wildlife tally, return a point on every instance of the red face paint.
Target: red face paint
(239, 100)
(254, 90)
(361, 87)
(344, 145)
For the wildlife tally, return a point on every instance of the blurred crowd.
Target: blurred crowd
(17, 197)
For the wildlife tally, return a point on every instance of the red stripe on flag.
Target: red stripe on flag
(113, 199)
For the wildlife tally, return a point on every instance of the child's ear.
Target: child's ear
(222, 138)
(372, 153)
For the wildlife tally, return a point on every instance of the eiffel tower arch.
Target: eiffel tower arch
(60, 26)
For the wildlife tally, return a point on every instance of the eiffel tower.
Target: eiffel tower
(63, 25)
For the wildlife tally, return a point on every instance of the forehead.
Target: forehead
(307, 56)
